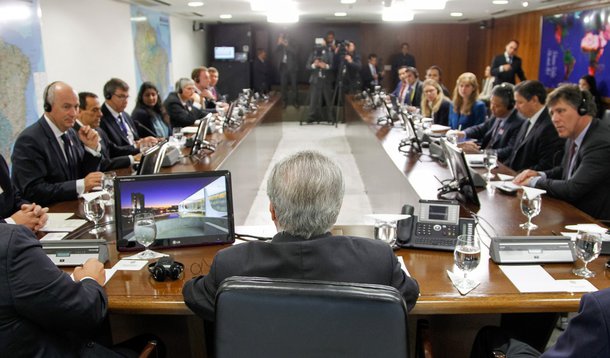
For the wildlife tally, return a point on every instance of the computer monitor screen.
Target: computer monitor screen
(151, 160)
(202, 132)
(224, 53)
(456, 161)
(190, 209)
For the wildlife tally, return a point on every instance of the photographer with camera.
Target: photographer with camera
(348, 66)
(286, 66)
(320, 80)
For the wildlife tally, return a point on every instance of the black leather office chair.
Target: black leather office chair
(263, 317)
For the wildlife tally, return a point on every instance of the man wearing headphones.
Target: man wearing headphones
(180, 106)
(203, 94)
(583, 178)
(117, 123)
(409, 89)
(52, 161)
(498, 132)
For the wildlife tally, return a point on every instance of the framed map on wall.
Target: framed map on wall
(575, 44)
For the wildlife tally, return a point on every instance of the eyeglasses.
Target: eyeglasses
(122, 97)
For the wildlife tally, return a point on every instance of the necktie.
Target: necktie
(571, 158)
(401, 96)
(71, 161)
(494, 134)
(123, 125)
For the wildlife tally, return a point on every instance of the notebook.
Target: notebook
(190, 209)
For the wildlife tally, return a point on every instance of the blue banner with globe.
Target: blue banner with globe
(573, 45)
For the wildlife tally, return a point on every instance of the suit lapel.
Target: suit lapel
(53, 144)
(114, 127)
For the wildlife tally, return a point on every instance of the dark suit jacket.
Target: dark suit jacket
(442, 115)
(179, 115)
(261, 76)
(113, 156)
(588, 333)
(43, 312)
(114, 131)
(367, 77)
(419, 90)
(326, 257)
(506, 133)
(39, 168)
(541, 150)
(291, 58)
(10, 199)
(589, 187)
(506, 76)
(320, 76)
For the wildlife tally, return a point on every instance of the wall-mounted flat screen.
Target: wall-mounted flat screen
(224, 53)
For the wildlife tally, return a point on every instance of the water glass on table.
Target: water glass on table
(145, 231)
(587, 246)
(467, 255)
(490, 159)
(530, 207)
(94, 211)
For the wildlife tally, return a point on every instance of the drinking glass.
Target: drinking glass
(452, 137)
(108, 186)
(530, 207)
(177, 133)
(587, 246)
(490, 159)
(386, 231)
(145, 231)
(467, 255)
(94, 211)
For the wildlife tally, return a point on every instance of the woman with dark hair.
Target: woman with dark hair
(588, 83)
(150, 115)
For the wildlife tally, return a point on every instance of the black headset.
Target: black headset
(179, 86)
(508, 92)
(165, 268)
(47, 106)
(582, 108)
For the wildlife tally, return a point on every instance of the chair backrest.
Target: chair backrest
(607, 116)
(264, 317)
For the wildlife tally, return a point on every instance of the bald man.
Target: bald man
(53, 162)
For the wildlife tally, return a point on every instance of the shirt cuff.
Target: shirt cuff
(197, 105)
(95, 152)
(533, 180)
(80, 186)
(131, 160)
(10, 221)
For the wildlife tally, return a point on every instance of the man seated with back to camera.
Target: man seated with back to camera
(583, 177)
(13, 208)
(498, 132)
(117, 123)
(305, 192)
(90, 114)
(44, 312)
(180, 107)
(52, 161)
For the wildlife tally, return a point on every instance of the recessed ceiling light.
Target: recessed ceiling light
(195, 3)
(340, 14)
(226, 16)
(348, 1)
(456, 14)
(525, 4)
(500, 2)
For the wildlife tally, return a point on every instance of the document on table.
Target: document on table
(54, 236)
(252, 232)
(59, 222)
(109, 273)
(534, 278)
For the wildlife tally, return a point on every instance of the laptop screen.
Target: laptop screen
(190, 209)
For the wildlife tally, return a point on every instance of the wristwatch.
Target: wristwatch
(498, 354)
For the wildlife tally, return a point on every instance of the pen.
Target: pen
(554, 233)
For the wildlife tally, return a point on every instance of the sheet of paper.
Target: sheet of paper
(532, 192)
(59, 222)
(587, 227)
(533, 278)
(94, 194)
(455, 280)
(385, 218)
(505, 177)
(109, 273)
(129, 265)
(476, 160)
(54, 236)
(403, 266)
(138, 256)
(256, 230)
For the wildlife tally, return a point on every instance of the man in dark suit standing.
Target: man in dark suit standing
(287, 67)
(305, 193)
(347, 66)
(261, 72)
(52, 161)
(583, 178)
(371, 76)
(113, 156)
(13, 208)
(117, 123)
(500, 131)
(404, 58)
(319, 63)
(506, 66)
(537, 146)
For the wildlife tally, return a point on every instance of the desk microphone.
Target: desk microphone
(146, 129)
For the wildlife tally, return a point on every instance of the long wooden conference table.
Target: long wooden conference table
(391, 179)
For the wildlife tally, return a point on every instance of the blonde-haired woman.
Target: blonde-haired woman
(434, 104)
(466, 110)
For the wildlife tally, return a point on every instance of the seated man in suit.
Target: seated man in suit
(90, 114)
(498, 132)
(46, 313)
(506, 66)
(370, 74)
(583, 177)
(587, 335)
(181, 108)
(537, 146)
(15, 210)
(117, 123)
(409, 90)
(52, 161)
(305, 193)
(204, 95)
